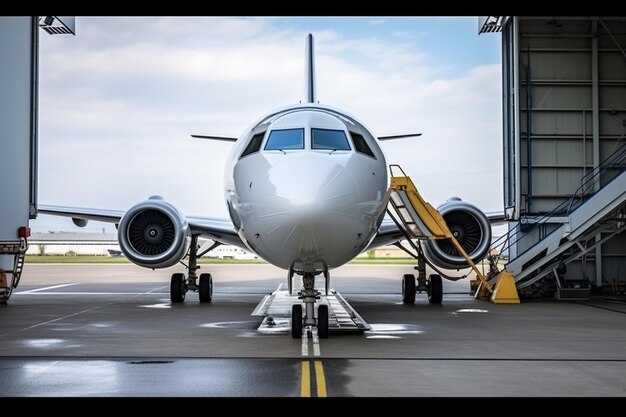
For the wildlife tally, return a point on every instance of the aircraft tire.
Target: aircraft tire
(296, 321)
(205, 288)
(408, 289)
(322, 321)
(177, 288)
(435, 289)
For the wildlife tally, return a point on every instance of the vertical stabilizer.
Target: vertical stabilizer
(311, 90)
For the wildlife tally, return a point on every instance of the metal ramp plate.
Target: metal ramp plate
(342, 317)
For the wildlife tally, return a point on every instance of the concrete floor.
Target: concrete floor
(109, 330)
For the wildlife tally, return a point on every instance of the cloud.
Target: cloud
(119, 101)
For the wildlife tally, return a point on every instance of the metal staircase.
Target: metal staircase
(421, 221)
(18, 250)
(544, 245)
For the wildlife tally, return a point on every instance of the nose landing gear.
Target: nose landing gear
(309, 295)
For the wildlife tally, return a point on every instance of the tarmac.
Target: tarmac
(110, 330)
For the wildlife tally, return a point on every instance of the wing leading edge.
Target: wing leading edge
(221, 230)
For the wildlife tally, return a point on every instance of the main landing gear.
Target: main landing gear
(179, 285)
(309, 295)
(432, 285)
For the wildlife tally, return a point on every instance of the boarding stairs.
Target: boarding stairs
(592, 210)
(419, 220)
(9, 280)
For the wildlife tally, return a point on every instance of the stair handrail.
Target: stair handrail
(513, 236)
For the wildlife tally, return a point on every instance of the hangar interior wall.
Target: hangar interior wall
(568, 117)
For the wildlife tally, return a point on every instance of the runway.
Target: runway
(109, 330)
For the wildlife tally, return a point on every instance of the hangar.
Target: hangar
(564, 153)
(564, 117)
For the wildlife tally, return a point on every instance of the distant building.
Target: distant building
(105, 244)
(72, 244)
(230, 252)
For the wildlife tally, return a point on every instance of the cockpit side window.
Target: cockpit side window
(284, 139)
(361, 145)
(254, 145)
(327, 139)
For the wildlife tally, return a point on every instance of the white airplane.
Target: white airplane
(307, 190)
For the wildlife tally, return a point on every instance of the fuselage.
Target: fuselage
(305, 187)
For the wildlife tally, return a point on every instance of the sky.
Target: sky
(119, 101)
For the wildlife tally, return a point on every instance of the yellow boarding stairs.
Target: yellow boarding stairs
(423, 222)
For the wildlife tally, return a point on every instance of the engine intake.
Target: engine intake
(470, 227)
(154, 234)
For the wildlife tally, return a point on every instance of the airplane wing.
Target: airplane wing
(497, 218)
(388, 233)
(221, 230)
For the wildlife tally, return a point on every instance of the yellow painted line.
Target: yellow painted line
(305, 387)
(320, 379)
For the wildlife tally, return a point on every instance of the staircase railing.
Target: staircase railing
(616, 161)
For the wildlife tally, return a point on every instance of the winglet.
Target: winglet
(311, 93)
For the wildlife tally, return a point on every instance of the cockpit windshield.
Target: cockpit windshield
(329, 140)
(284, 139)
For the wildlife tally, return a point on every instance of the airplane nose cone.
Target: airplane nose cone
(308, 210)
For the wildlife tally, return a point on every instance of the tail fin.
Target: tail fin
(311, 87)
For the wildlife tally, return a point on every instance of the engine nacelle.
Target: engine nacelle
(154, 234)
(470, 227)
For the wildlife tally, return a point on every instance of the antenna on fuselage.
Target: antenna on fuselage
(311, 90)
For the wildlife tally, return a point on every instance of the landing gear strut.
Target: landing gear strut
(309, 295)
(179, 285)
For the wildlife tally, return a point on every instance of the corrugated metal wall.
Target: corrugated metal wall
(571, 102)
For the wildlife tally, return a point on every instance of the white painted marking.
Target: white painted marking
(262, 306)
(157, 288)
(64, 317)
(316, 343)
(305, 342)
(45, 288)
(80, 312)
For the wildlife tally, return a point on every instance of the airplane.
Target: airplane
(306, 187)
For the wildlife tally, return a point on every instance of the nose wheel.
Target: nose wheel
(322, 321)
(296, 321)
(306, 317)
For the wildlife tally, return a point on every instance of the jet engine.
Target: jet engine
(154, 234)
(470, 227)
